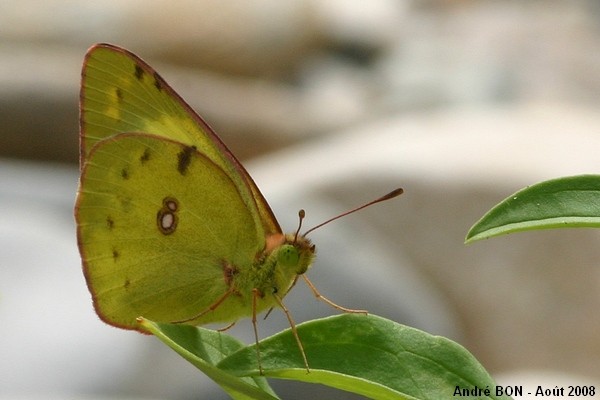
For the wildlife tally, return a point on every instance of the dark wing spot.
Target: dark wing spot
(125, 173)
(166, 218)
(124, 202)
(158, 81)
(145, 157)
(127, 283)
(139, 73)
(110, 223)
(229, 271)
(115, 255)
(184, 158)
(119, 94)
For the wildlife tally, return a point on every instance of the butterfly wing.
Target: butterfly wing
(121, 93)
(159, 227)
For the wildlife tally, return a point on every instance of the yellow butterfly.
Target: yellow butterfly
(170, 226)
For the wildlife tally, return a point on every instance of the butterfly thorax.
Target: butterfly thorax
(277, 268)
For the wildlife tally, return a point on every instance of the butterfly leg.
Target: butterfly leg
(210, 308)
(227, 327)
(294, 330)
(291, 287)
(331, 303)
(255, 294)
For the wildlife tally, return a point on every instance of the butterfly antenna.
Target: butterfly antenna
(390, 195)
(301, 215)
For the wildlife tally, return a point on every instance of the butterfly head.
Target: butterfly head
(297, 252)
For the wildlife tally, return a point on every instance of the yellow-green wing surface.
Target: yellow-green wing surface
(121, 93)
(159, 226)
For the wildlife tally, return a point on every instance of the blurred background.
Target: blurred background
(329, 104)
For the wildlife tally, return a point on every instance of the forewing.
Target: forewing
(121, 93)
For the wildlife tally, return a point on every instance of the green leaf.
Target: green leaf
(364, 354)
(204, 348)
(559, 203)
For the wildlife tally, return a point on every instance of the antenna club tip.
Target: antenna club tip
(393, 193)
(301, 213)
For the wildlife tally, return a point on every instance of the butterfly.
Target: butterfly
(170, 226)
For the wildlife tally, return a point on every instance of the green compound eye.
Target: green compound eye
(288, 256)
